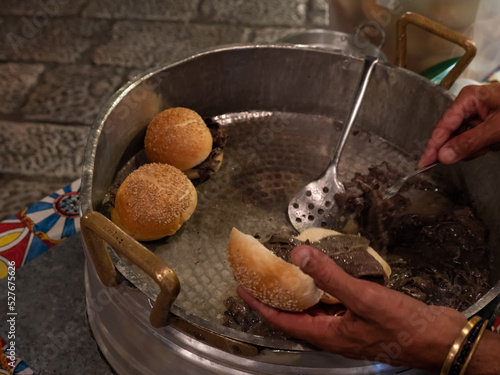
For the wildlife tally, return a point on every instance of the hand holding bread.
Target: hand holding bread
(376, 321)
(276, 282)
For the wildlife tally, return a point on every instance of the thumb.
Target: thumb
(472, 141)
(327, 275)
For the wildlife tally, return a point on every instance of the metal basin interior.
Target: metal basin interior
(400, 107)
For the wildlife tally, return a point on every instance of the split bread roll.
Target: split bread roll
(268, 278)
(274, 281)
(179, 137)
(154, 201)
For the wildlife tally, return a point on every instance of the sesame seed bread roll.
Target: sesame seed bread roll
(154, 201)
(268, 278)
(179, 137)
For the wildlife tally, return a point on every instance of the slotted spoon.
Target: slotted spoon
(314, 205)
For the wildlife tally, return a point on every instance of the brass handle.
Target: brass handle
(97, 230)
(441, 31)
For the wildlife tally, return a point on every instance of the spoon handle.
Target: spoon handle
(418, 171)
(368, 68)
(393, 190)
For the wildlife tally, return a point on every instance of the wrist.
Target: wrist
(485, 359)
(464, 346)
(438, 338)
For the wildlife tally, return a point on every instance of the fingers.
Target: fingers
(465, 105)
(472, 100)
(490, 95)
(327, 275)
(477, 154)
(430, 154)
(472, 142)
(301, 325)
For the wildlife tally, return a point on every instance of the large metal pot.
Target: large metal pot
(400, 106)
(352, 44)
(142, 324)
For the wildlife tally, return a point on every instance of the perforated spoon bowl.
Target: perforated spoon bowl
(314, 205)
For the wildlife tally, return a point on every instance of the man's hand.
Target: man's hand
(380, 324)
(476, 108)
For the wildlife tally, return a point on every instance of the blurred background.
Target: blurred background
(61, 60)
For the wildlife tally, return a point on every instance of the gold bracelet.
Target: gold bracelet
(458, 343)
(474, 347)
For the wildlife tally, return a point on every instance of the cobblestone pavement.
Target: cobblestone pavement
(60, 61)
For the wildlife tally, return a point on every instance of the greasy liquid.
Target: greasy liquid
(427, 203)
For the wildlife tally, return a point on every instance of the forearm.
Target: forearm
(486, 359)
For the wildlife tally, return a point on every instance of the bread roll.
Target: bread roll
(154, 201)
(179, 137)
(268, 278)
(274, 281)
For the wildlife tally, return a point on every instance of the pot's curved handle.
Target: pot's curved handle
(97, 230)
(372, 25)
(438, 30)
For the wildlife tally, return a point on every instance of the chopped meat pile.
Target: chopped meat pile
(435, 244)
(210, 164)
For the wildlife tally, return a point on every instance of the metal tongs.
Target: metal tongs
(393, 189)
(314, 205)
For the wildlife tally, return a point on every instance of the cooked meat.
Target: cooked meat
(434, 242)
(348, 251)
